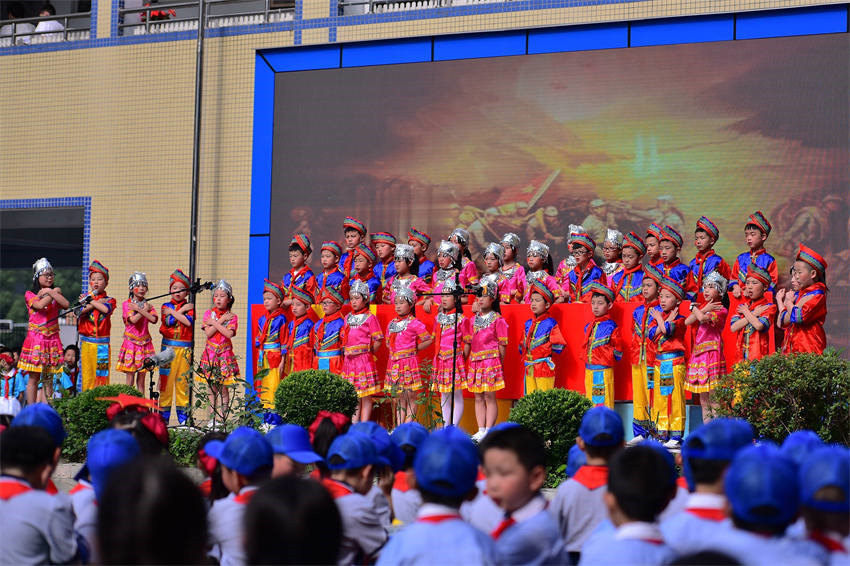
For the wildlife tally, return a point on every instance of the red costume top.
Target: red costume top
(602, 342)
(173, 329)
(752, 344)
(296, 341)
(670, 338)
(96, 324)
(542, 339)
(804, 332)
(703, 264)
(643, 349)
(327, 342)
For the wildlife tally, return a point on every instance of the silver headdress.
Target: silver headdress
(450, 249)
(462, 236)
(223, 285)
(405, 252)
(40, 267)
(570, 261)
(359, 287)
(538, 249)
(490, 286)
(450, 285)
(575, 229)
(407, 294)
(138, 279)
(615, 237)
(714, 278)
(497, 250)
(511, 239)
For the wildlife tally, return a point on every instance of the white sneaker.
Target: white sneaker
(636, 440)
(673, 444)
(479, 435)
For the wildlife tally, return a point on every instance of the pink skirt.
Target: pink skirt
(41, 353)
(224, 360)
(485, 376)
(360, 371)
(443, 374)
(403, 374)
(704, 371)
(132, 356)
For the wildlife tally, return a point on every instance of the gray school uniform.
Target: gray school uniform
(578, 508)
(406, 504)
(381, 505)
(85, 510)
(482, 512)
(225, 528)
(534, 538)
(363, 530)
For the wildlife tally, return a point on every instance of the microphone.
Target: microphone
(161, 359)
(198, 287)
(476, 290)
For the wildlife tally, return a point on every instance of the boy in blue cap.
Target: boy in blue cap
(514, 462)
(44, 416)
(406, 498)
(445, 468)
(579, 504)
(292, 450)
(352, 459)
(246, 460)
(390, 459)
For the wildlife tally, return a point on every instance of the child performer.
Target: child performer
(271, 329)
(177, 329)
(628, 282)
(448, 261)
(219, 325)
(354, 233)
(361, 337)
(670, 245)
(42, 349)
(602, 347)
(331, 275)
(668, 333)
(94, 325)
(468, 270)
(612, 250)
(577, 284)
(707, 363)
(756, 232)
(384, 245)
(485, 348)
(137, 346)
(327, 340)
(300, 275)
(652, 240)
(539, 263)
(405, 278)
(706, 260)
(512, 270)
(364, 260)
(753, 318)
(643, 355)
(568, 263)
(450, 313)
(420, 242)
(542, 339)
(803, 313)
(298, 350)
(405, 337)
(493, 258)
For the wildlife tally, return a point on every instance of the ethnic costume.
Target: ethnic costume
(497, 278)
(404, 334)
(543, 338)
(297, 347)
(445, 337)
(137, 346)
(541, 250)
(602, 348)
(568, 264)
(643, 362)
(42, 348)
(578, 282)
(327, 340)
(489, 331)
(383, 271)
(706, 262)
(373, 283)
(654, 231)
(303, 277)
(804, 322)
(442, 276)
(175, 376)
(397, 283)
(612, 268)
(218, 352)
(426, 266)
(752, 344)
(270, 333)
(360, 330)
(708, 364)
(670, 369)
(94, 328)
(346, 260)
(468, 269)
(333, 278)
(760, 257)
(516, 273)
(628, 283)
(675, 270)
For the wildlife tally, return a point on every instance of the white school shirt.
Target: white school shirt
(687, 531)
(579, 506)
(363, 530)
(534, 539)
(406, 504)
(482, 512)
(751, 549)
(226, 534)
(84, 503)
(636, 543)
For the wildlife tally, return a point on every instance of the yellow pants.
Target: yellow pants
(641, 423)
(533, 384)
(95, 356)
(269, 385)
(605, 390)
(670, 420)
(174, 382)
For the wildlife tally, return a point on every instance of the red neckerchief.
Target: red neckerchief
(580, 277)
(10, 488)
(294, 275)
(700, 259)
(530, 337)
(219, 313)
(588, 334)
(245, 496)
(330, 318)
(626, 273)
(438, 518)
(646, 318)
(716, 515)
(682, 482)
(336, 489)
(290, 340)
(78, 488)
(506, 523)
(667, 268)
(757, 253)
(828, 543)
(592, 477)
(400, 482)
(269, 317)
(94, 313)
(51, 487)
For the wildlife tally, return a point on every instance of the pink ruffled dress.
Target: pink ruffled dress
(358, 365)
(707, 364)
(137, 345)
(445, 334)
(42, 349)
(403, 337)
(485, 367)
(219, 350)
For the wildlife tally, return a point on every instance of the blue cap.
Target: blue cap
(388, 453)
(720, 439)
(409, 434)
(355, 449)
(576, 458)
(507, 425)
(245, 450)
(108, 450)
(799, 444)
(761, 477)
(447, 463)
(601, 421)
(668, 458)
(293, 441)
(44, 416)
(828, 466)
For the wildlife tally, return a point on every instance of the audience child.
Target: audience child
(70, 369)
(450, 352)
(539, 264)
(485, 349)
(798, 445)
(668, 333)
(178, 331)
(756, 232)
(137, 346)
(543, 338)
(361, 338)
(576, 458)
(420, 241)
(292, 450)
(513, 271)
(445, 469)
(364, 260)
(514, 462)
(295, 342)
(327, 333)
(641, 482)
(602, 346)
(354, 233)
(643, 356)
(351, 460)
(568, 264)
(627, 283)
(406, 498)
(212, 487)
(271, 329)
(653, 241)
(803, 312)
(493, 257)
(706, 260)
(291, 520)
(669, 246)
(9, 409)
(708, 362)
(44, 416)
(390, 460)
(612, 251)
(577, 284)
(246, 459)
(384, 245)
(753, 317)
(468, 270)
(300, 276)
(406, 337)
(406, 267)
(323, 430)
(331, 275)
(41, 354)
(13, 382)
(579, 504)
(218, 362)
(137, 416)
(94, 325)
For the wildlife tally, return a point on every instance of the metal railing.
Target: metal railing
(24, 31)
(356, 7)
(183, 16)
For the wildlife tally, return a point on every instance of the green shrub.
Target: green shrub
(556, 416)
(183, 445)
(780, 394)
(84, 415)
(303, 394)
